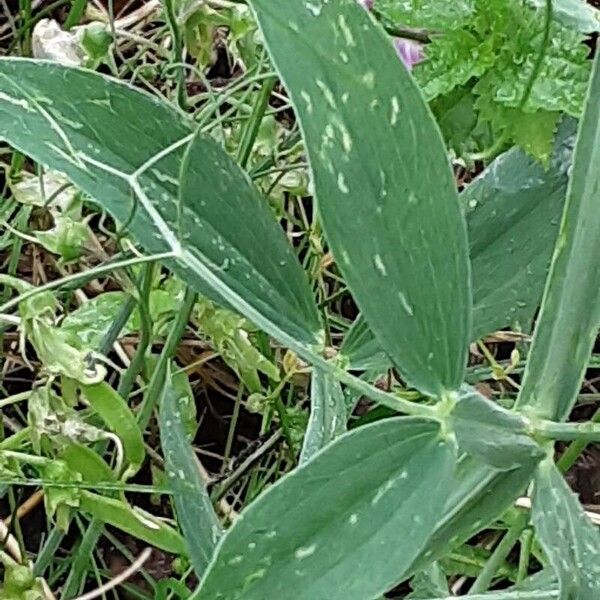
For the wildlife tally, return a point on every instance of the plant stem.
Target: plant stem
(485, 578)
(137, 362)
(253, 125)
(157, 380)
(582, 432)
(572, 453)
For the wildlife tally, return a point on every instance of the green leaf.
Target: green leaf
(512, 198)
(93, 319)
(513, 212)
(113, 410)
(491, 433)
(370, 497)
(568, 538)
(576, 14)
(134, 521)
(327, 414)
(87, 463)
(196, 516)
(429, 582)
(426, 13)
(479, 494)
(570, 313)
(401, 192)
(250, 268)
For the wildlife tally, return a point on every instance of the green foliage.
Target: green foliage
(489, 50)
(427, 498)
(305, 536)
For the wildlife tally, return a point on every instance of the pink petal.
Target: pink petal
(409, 51)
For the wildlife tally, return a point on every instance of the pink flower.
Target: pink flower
(366, 4)
(410, 52)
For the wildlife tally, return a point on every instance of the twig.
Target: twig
(119, 579)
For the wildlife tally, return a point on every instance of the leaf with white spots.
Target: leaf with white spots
(570, 541)
(371, 497)
(384, 187)
(328, 414)
(125, 149)
(195, 513)
(512, 198)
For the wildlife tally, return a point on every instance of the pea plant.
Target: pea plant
(370, 507)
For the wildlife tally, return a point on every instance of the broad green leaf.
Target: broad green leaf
(479, 494)
(113, 410)
(134, 521)
(389, 208)
(570, 541)
(195, 513)
(89, 464)
(491, 433)
(570, 313)
(371, 497)
(241, 259)
(327, 414)
(512, 198)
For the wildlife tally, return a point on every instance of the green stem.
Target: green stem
(82, 556)
(157, 380)
(572, 453)
(137, 362)
(178, 48)
(582, 432)
(253, 125)
(81, 278)
(75, 14)
(502, 550)
(537, 67)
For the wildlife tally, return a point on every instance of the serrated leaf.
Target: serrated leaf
(403, 194)
(90, 141)
(491, 433)
(568, 538)
(370, 497)
(195, 514)
(570, 313)
(512, 198)
(327, 414)
(426, 13)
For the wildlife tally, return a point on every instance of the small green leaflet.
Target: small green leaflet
(195, 513)
(568, 538)
(372, 496)
(570, 314)
(90, 142)
(491, 433)
(327, 414)
(389, 209)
